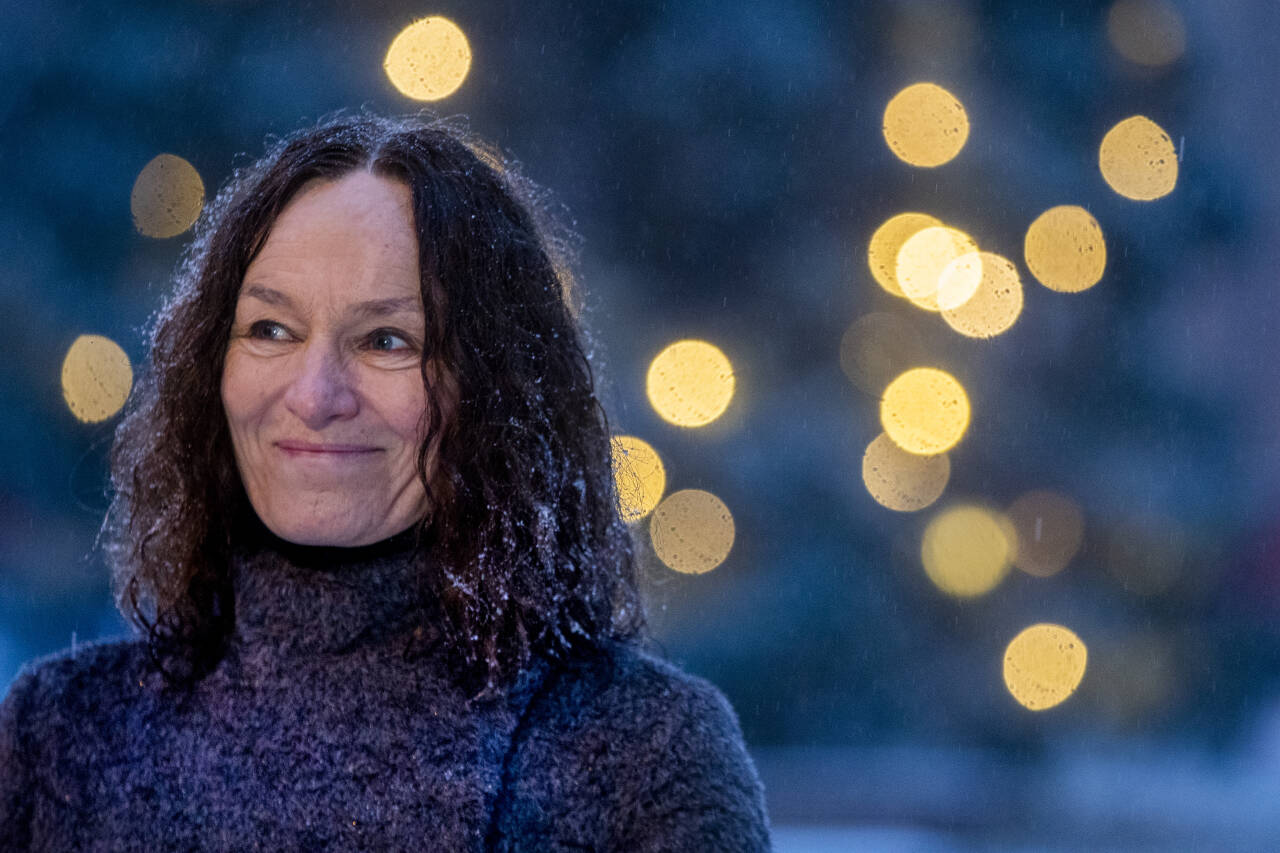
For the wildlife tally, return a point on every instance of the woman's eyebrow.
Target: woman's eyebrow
(267, 295)
(384, 307)
(367, 308)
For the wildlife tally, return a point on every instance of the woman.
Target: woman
(364, 521)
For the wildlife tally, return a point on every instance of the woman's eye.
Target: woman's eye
(268, 330)
(387, 340)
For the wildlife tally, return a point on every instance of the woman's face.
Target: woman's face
(321, 384)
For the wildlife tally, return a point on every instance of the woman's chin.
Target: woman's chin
(340, 533)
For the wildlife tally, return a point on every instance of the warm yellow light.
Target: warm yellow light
(886, 242)
(692, 531)
(639, 476)
(690, 383)
(995, 303)
(1044, 665)
(959, 281)
(925, 411)
(429, 59)
(966, 550)
(925, 256)
(1148, 32)
(925, 125)
(900, 480)
(877, 347)
(96, 378)
(1137, 159)
(1065, 250)
(1050, 528)
(167, 197)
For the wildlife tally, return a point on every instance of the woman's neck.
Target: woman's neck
(306, 599)
(320, 556)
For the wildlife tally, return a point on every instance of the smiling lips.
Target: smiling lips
(310, 449)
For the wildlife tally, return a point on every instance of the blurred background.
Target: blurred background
(1000, 576)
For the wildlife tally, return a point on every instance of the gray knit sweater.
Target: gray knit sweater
(315, 733)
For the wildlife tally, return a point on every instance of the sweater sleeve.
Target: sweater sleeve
(15, 789)
(630, 754)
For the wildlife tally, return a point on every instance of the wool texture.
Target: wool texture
(315, 732)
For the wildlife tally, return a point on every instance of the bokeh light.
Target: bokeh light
(1044, 665)
(903, 481)
(925, 411)
(1138, 160)
(925, 125)
(429, 59)
(167, 197)
(966, 550)
(692, 531)
(886, 242)
(639, 476)
(959, 281)
(1050, 529)
(1147, 32)
(96, 378)
(923, 258)
(1065, 250)
(994, 305)
(877, 347)
(690, 383)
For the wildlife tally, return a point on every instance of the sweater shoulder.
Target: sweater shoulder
(49, 702)
(627, 687)
(79, 678)
(624, 751)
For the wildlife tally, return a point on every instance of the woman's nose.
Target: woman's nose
(322, 390)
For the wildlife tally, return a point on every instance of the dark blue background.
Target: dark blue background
(724, 166)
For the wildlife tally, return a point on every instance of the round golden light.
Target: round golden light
(1050, 529)
(639, 476)
(1147, 32)
(1138, 160)
(429, 59)
(959, 281)
(925, 411)
(966, 550)
(1044, 665)
(925, 256)
(167, 197)
(995, 303)
(96, 378)
(690, 383)
(925, 125)
(877, 347)
(886, 242)
(900, 480)
(1065, 250)
(692, 531)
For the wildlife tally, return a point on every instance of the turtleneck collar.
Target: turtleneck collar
(302, 599)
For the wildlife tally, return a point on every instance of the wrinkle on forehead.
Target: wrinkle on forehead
(357, 229)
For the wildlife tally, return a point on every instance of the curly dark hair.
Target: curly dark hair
(529, 554)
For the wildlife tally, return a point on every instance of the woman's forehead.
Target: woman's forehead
(359, 193)
(352, 239)
(358, 209)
